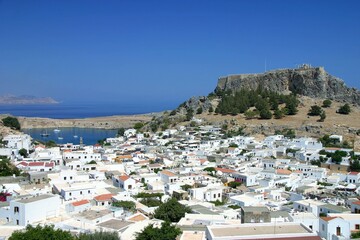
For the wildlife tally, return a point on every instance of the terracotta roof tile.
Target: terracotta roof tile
(283, 171)
(124, 177)
(81, 202)
(51, 164)
(168, 173)
(328, 218)
(225, 170)
(104, 197)
(36, 164)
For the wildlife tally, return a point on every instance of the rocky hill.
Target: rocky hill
(313, 82)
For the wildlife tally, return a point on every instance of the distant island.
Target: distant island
(25, 99)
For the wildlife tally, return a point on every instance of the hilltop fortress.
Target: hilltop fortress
(309, 81)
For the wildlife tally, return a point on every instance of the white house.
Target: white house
(353, 177)
(124, 182)
(308, 205)
(76, 191)
(352, 219)
(334, 228)
(246, 178)
(168, 177)
(206, 194)
(83, 156)
(248, 199)
(33, 209)
(78, 206)
(18, 141)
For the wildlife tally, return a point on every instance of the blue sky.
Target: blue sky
(163, 52)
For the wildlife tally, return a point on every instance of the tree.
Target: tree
(291, 105)
(265, 114)
(211, 109)
(234, 184)
(345, 109)
(199, 110)
(185, 187)
(173, 113)
(233, 145)
(98, 235)
(355, 165)
(23, 152)
(121, 132)
(92, 162)
(278, 114)
(249, 114)
(209, 169)
(11, 122)
(50, 143)
(165, 232)
(126, 205)
(138, 125)
(151, 202)
(7, 169)
(315, 110)
(189, 114)
(327, 103)
(322, 116)
(41, 233)
(171, 211)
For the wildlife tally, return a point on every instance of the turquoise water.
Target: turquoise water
(90, 136)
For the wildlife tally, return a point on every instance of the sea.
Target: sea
(88, 136)
(79, 110)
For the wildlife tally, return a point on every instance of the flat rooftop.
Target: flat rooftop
(34, 199)
(255, 209)
(92, 214)
(193, 235)
(257, 229)
(115, 224)
(203, 210)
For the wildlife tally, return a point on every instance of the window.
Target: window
(80, 192)
(70, 178)
(357, 226)
(17, 222)
(338, 231)
(311, 227)
(323, 227)
(69, 194)
(88, 191)
(16, 209)
(64, 178)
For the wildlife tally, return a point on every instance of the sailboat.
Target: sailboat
(44, 134)
(56, 130)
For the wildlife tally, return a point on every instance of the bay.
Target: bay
(89, 136)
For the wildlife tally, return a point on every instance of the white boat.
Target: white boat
(44, 134)
(57, 130)
(76, 136)
(60, 138)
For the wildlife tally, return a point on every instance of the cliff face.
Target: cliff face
(307, 81)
